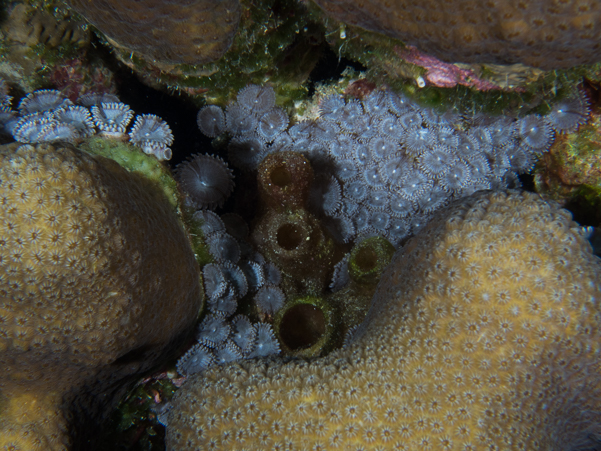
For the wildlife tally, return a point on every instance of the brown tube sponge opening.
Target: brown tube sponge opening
(302, 326)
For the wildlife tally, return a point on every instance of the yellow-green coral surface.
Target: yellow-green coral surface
(97, 282)
(483, 334)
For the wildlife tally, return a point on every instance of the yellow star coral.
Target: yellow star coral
(483, 334)
(97, 282)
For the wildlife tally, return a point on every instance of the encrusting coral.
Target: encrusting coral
(98, 282)
(384, 165)
(484, 334)
(543, 34)
(169, 32)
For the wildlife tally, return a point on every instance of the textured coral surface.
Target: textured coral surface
(170, 32)
(484, 334)
(540, 33)
(97, 282)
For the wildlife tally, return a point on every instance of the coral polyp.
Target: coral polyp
(482, 335)
(386, 143)
(206, 180)
(211, 121)
(84, 306)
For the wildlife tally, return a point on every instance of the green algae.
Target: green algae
(571, 172)
(133, 159)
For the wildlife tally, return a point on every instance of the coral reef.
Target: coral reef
(305, 326)
(276, 41)
(537, 33)
(207, 180)
(570, 172)
(484, 333)
(42, 44)
(166, 32)
(383, 165)
(47, 115)
(224, 336)
(98, 283)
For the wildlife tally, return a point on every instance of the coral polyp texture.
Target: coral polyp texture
(98, 283)
(167, 32)
(207, 180)
(538, 33)
(383, 165)
(483, 334)
(48, 116)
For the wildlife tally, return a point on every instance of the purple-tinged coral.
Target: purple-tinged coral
(258, 99)
(253, 271)
(340, 277)
(112, 119)
(236, 278)
(272, 123)
(437, 161)
(57, 131)
(536, 132)
(213, 331)
(269, 299)
(8, 120)
(214, 281)
(244, 334)
(228, 352)
(77, 116)
(41, 101)
(246, 152)
(210, 222)
(569, 113)
(225, 305)
(198, 358)
(223, 247)
(330, 107)
(206, 180)
(325, 195)
(152, 135)
(28, 128)
(272, 274)
(211, 121)
(239, 120)
(387, 143)
(95, 98)
(266, 343)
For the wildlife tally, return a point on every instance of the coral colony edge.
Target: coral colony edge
(221, 234)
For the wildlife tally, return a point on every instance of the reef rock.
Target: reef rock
(167, 32)
(545, 34)
(484, 333)
(97, 282)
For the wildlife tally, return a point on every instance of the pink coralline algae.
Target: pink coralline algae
(441, 74)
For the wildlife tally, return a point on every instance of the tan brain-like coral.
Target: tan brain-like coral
(97, 282)
(541, 33)
(484, 334)
(166, 31)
